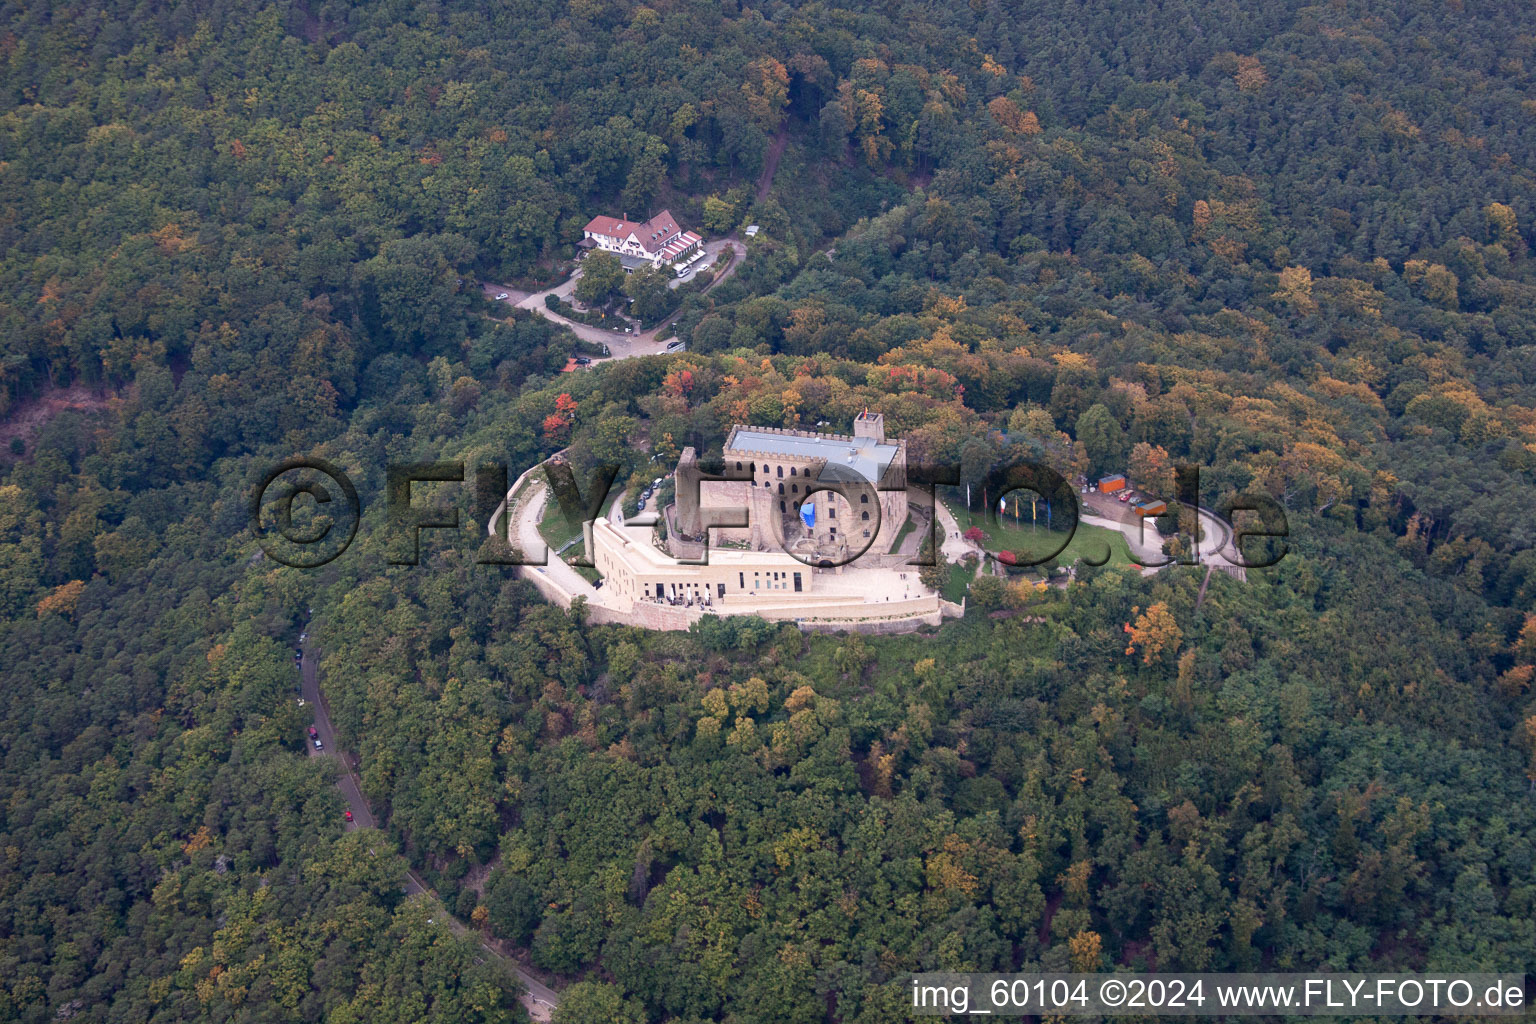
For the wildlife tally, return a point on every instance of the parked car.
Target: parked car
(674, 346)
(298, 655)
(347, 815)
(583, 361)
(312, 733)
(629, 330)
(501, 296)
(318, 744)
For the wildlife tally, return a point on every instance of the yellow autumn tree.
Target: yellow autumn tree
(767, 91)
(881, 767)
(201, 839)
(744, 735)
(1086, 950)
(1296, 289)
(1155, 633)
(1151, 468)
(1501, 219)
(1008, 114)
(1201, 215)
(1250, 75)
(1525, 645)
(1074, 881)
(62, 600)
(946, 873)
(1433, 281)
(1516, 681)
(871, 125)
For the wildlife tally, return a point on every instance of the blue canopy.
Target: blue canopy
(808, 515)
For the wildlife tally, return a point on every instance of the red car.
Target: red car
(349, 815)
(312, 733)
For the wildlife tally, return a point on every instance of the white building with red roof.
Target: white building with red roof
(655, 241)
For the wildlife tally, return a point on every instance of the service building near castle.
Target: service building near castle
(638, 244)
(805, 553)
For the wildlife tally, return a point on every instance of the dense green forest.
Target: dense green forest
(1288, 243)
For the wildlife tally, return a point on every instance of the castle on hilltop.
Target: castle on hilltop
(787, 511)
(800, 551)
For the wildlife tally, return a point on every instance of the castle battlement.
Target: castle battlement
(809, 435)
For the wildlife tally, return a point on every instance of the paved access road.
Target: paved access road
(309, 674)
(539, 999)
(525, 537)
(1146, 543)
(622, 346)
(1141, 537)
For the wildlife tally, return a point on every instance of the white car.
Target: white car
(501, 296)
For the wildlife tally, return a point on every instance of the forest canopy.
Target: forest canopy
(1287, 243)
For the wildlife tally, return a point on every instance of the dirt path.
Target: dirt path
(31, 414)
(771, 165)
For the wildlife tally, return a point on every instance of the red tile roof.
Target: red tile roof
(610, 226)
(658, 229)
(652, 234)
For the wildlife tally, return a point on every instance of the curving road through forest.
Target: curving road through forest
(622, 346)
(539, 999)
